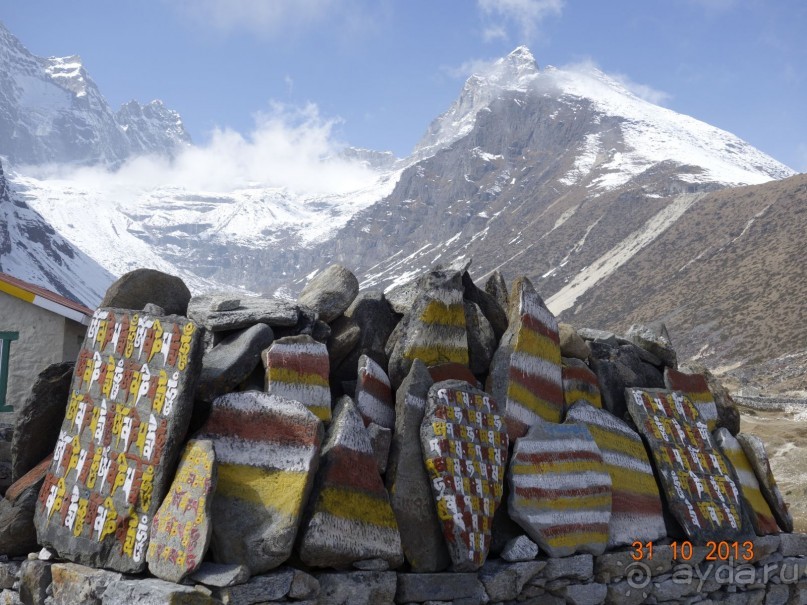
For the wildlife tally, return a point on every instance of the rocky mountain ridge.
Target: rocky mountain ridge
(51, 111)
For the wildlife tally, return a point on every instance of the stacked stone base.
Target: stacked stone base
(775, 575)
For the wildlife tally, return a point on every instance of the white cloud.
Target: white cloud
(526, 15)
(470, 67)
(289, 147)
(643, 91)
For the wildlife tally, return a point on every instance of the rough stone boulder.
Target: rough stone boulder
(17, 531)
(136, 289)
(330, 292)
(754, 449)
(39, 418)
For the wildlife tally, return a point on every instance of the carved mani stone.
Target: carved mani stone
(700, 491)
(267, 449)
(636, 511)
(696, 388)
(465, 450)
(180, 530)
(560, 490)
(130, 404)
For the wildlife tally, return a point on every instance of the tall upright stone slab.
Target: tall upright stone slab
(407, 481)
(267, 449)
(465, 448)
(636, 511)
(560, 490)
(181, 528)
(526, 370)
(758, 510)
(580, 385)
(349, 518)
(696, 478)
(130, 404)
(754, 449)
(297, 368)
(696, 388)
(374, 394)
(434, 329)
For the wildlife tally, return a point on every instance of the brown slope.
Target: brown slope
(729, 279)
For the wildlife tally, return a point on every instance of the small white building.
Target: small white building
(37, 328)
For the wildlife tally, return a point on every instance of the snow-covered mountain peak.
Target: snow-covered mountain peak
(67, 72)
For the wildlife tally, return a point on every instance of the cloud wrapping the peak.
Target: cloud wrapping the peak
(526, 15)
(290, 147)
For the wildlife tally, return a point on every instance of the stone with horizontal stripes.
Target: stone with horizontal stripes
(374, 394)
(560, 489)
(434, 329)
(636, 510)
(465, 447)
(696, 388)
(130, 404)
(349, 517)
(181, 528)
(297, 368)
(267, 448)
(754, 449)
(758, 510)
(699, 488)
(580, 384)
(526, 370)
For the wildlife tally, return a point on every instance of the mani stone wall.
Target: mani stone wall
(301, 482)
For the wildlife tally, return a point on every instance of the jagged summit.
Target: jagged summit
(52, 111)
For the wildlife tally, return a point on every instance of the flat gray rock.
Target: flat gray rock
(73, 583)
(271, 444)
(130, 405)
(151, 591)
(357, 588)
(491, 309)
(408, 481)
(380, 440)
(330, 292)
(181, 528)
(504, 581)
(220, 575)
(272, 586)
(232, 360)
(252, 310)
(420, 587)
(349, 517)
(17, 531)
(519, 549)
(656, 341)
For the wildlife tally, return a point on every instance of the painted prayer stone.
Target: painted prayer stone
(465, 450)
(697, 479)
(580, 385)
(374, 395)
(130, 405)
(180, 530)
(434, 329)
(267, 452)
(755, 503)
(695, 387)
(636, 511)
(297, 368)
(560, 490)
(755, 451)
(526, 370)
(350, 518)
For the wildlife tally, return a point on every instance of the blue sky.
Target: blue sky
(379, 71)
